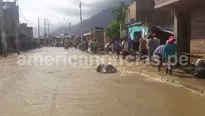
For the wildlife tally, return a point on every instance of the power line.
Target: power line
(21, 13)
(23, 17)
(24, 21)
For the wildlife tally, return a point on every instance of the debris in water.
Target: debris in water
(106, 68)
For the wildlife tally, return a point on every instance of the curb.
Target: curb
(175, 82)
(172, 81)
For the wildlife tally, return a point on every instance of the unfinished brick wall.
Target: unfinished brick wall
(198, 23)
(198, 30)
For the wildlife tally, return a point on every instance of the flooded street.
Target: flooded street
(72, 90)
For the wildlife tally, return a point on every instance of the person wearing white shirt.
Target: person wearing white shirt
(125, 48)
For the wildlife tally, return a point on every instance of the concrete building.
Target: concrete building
(27, 30)
(189, 20)
(11, 21)
(97, 34)
(25, 36)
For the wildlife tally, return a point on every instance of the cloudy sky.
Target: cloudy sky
(60, 12)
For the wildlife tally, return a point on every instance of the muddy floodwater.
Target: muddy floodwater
(57, 89)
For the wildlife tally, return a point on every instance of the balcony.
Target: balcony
(162, 3)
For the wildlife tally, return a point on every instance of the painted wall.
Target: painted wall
(131, 13)
(133, 29)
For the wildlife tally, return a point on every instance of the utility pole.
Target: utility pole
(120, 30)
(81, 22)
(17, 30)
(38, 28)
(45, 34)
(39, 33)
(48, 31)
(48, 28)
(70, 28)
(3, 34)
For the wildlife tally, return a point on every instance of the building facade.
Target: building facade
(11, 22)
(25, 36)
(143, 11)
(25, 29)
(189, 20)
(11, 18)
(96, 34)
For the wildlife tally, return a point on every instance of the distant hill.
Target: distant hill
(99, 20)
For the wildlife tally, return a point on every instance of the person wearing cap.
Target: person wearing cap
(170, 49)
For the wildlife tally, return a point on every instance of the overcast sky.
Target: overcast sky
(60, 12)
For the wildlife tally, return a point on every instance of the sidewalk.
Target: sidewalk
(180, 77)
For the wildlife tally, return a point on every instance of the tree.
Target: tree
(121, 12)
(113, 29)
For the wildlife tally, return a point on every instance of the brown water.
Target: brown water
(67, 90)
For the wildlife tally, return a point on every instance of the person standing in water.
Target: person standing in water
(170, 49)
(116, 47)
(125, 48)
(152, 43)
(135, 47)
(159, 54)
(142, 49)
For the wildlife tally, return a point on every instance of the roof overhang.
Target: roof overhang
(87, 34)
(165, 3)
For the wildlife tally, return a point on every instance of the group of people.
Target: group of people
(148, 48)
(68, 43)
(119, 47)
(91, 46)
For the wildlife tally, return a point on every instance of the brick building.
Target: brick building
(189, 20)
(143, 12)
(97, 34)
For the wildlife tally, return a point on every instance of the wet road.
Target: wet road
(72, 90)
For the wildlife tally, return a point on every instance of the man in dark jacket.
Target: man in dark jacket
(135, 47)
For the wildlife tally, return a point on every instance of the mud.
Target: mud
(68, 90)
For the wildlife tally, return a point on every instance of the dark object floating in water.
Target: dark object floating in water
(106, 68)
(199, 69)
